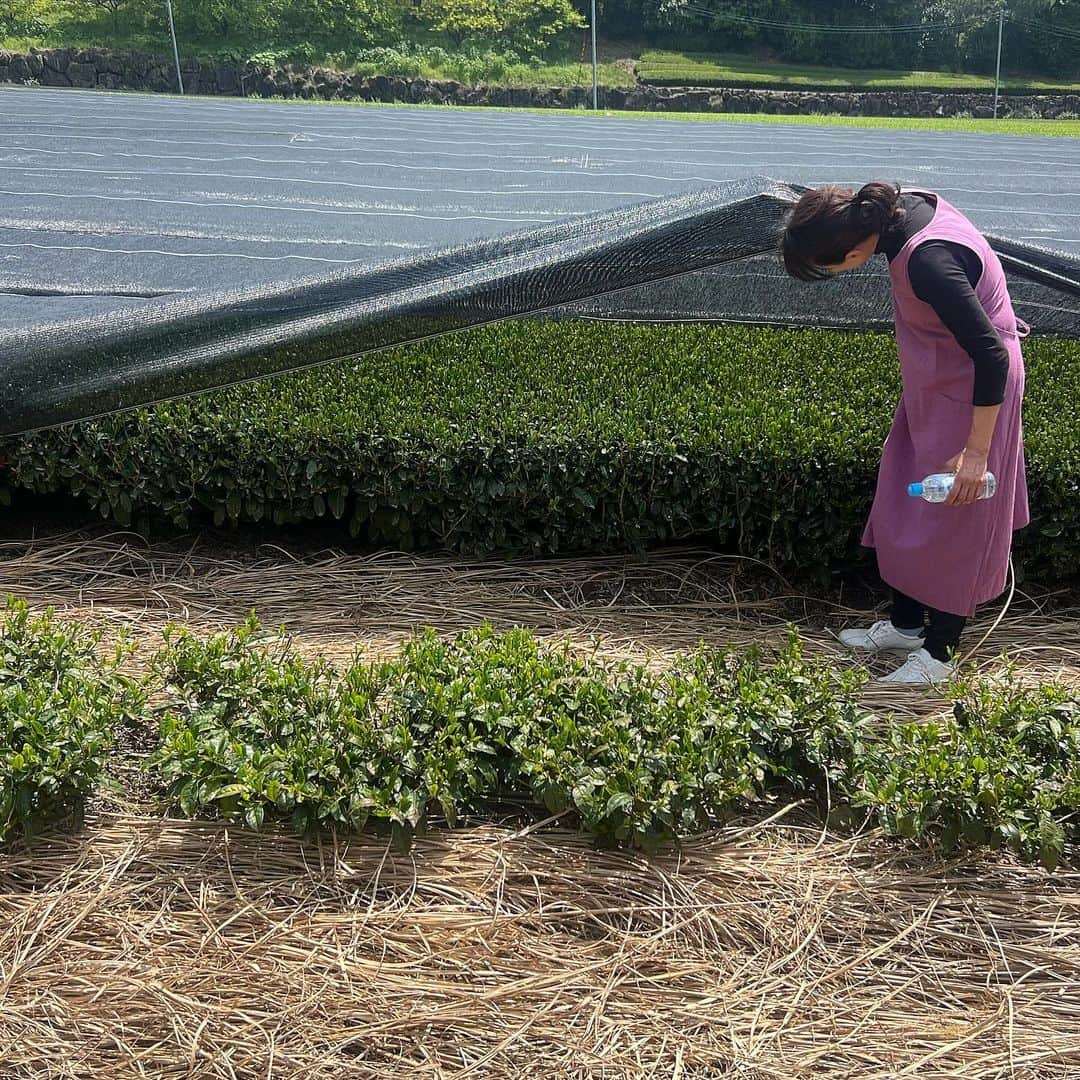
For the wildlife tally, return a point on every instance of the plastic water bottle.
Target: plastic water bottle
(936, 488)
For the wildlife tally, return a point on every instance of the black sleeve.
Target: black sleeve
(944, 275)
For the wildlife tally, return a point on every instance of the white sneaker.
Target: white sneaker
(921, 669)
(881, 637)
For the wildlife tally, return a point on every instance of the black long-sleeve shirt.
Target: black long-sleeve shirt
(944, 275)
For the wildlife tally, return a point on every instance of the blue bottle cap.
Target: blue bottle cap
(914, 489)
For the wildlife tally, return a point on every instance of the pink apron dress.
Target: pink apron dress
(948, 557)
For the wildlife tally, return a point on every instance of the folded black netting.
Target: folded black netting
(1044, 285)
(709, 255)
(54, 374)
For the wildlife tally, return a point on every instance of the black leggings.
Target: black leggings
(943, 633)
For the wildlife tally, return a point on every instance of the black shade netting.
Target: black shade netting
(708, 255)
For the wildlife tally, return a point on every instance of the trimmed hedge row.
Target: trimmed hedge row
(544, 437)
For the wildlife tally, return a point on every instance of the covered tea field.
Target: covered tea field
(110, 201)
(797, 932)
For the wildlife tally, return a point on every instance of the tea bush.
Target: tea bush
(645, 758)
(60, 705)
(1004, 770)
(636, 757)
(538, 437)
(249, 728)
(242, 696)
(453, 726)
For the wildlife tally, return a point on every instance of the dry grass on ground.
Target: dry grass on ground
(161, 948)
(337, 604)
(149, 947)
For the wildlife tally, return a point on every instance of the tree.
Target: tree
(534, 25)
(529, 26)
(225, 20)
(345, 23)
(1041, 37)
(24, 17)
(462, 20)
(91, 9)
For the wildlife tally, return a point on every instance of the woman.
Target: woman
(963, 376)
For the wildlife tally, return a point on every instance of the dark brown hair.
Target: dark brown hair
(827, 222)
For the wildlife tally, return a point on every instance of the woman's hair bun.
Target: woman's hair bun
(875, 206)
(827, 222)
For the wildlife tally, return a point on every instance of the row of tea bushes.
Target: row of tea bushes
(543, 437)
(635, 757)
(249, 730)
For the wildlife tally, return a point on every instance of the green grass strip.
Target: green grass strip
(728, 69)
(1055, 128)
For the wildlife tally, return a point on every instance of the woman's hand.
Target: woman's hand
(970, 468)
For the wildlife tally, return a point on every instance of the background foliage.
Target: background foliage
(1042, 37)
(958, 34)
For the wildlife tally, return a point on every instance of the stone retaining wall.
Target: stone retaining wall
(104, 69)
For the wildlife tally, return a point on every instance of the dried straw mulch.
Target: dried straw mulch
(148, 947)
(157, 948)
(337, 604)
